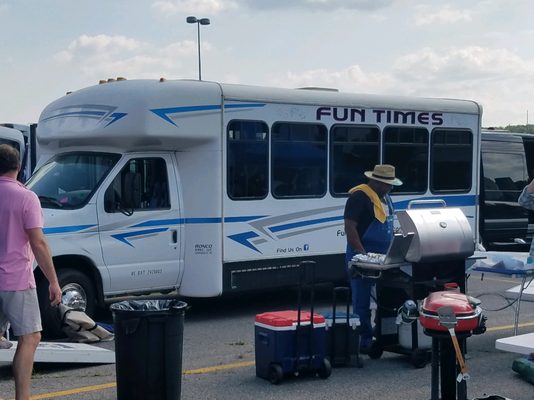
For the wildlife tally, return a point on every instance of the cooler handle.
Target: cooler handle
(338, 290)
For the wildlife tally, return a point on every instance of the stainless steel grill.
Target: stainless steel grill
(440, 234)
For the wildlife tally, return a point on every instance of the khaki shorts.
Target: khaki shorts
(21, 309)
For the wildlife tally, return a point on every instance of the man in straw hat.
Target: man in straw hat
(369, 228)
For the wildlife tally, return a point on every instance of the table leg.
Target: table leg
(518, 306)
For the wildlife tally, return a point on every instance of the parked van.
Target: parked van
(208, 188)
(22, 137)
(15, 138)
(507, 166)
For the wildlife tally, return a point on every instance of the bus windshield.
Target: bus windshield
(68, 181)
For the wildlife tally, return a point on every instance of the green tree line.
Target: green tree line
(515, 128)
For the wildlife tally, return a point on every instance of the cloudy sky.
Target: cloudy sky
(478, 49)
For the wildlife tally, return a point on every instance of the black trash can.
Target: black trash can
(148, 348)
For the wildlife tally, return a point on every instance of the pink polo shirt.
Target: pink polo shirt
(20, 209)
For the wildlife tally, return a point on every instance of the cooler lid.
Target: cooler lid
(287, 318)
(460, 303)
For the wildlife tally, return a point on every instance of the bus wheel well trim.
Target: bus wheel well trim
(86, 267)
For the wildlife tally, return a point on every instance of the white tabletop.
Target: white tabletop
(522, 344)
(65, 352)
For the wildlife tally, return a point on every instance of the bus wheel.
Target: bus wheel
(78, 293)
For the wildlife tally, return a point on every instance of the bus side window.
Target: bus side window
(298, 160)
(142, 184)
(407, 150)
(247, 160)
(451, 155)
(353, 150)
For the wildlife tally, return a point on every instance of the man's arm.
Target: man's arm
(353, 238)
(44, 260)
(526, 198)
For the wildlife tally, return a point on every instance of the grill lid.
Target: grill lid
(440, 234)
(462, 304)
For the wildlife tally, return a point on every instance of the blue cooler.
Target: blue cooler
(342, 338)
(283, 347)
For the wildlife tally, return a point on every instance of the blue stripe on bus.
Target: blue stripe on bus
(123, 237)
(66, 229)
(164, 112)
(242, 238)
(178, 221)
(454, 201)
(160, 222)
(244, 218)
(304, 223)
(248, 105)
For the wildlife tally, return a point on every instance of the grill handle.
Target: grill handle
(439, 202)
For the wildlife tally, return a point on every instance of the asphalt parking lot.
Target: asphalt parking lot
(218, 358)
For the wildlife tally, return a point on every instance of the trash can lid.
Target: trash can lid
(149, 305)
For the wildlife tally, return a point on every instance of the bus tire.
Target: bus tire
(78, 292)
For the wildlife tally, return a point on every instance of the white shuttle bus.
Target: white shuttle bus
(208, 188)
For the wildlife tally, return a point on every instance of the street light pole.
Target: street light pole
(198, 21)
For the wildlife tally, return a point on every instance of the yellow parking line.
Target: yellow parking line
(84, 389)
(206, 370)
(504, 327)
(219, 368)
(110, 385)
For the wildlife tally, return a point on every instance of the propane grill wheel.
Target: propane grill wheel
(375, 350)
(419, 358)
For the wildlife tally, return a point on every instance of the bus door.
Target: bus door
(139, 222)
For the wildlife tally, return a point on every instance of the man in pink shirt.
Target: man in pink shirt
(21, 241)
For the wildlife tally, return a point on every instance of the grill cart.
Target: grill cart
(442, 240)
(449, 318)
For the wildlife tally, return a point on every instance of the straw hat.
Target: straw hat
(384, 173)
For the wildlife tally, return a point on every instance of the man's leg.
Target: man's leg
(23, 364)
(361, 298)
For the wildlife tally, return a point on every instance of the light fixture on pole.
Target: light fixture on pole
(198, 21)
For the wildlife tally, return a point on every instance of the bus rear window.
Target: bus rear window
(452, 160)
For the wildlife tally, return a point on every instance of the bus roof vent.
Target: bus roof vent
(323, 89)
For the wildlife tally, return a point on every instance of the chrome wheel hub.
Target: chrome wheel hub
(74, 296)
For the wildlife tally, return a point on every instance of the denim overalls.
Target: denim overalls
(376, 239)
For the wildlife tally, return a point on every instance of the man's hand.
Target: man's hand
(54, 294)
